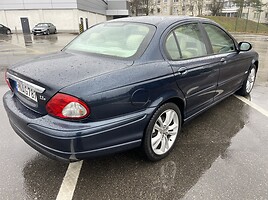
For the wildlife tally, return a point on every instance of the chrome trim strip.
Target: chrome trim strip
(33, 86)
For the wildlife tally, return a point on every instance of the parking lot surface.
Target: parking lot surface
(221, 154)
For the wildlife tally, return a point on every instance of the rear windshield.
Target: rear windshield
(114, 39)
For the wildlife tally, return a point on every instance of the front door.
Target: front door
(233, 64)
(25, 25)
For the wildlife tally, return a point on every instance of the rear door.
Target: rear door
(233, 65)
(195, 70)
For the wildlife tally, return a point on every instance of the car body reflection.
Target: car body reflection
(46, 39)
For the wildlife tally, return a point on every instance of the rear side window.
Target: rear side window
(191, 44)
(172, 47)
(220, 41)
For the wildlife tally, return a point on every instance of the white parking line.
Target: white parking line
(253, 105)
(69, 181)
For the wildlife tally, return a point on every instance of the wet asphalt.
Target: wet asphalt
(221, 154)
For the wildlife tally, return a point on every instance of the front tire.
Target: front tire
(162, 131)
(249, 81)
(8, 32)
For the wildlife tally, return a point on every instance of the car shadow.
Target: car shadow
(5, 37)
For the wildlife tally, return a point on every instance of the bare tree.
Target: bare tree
(191, 6)
(200, 4)
(142, 7)
(257, 4)
(241, 4)
(216, 7)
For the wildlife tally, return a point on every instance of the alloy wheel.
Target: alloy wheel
(164, 132)
(250, 80)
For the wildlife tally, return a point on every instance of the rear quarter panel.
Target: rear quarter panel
(127, 90)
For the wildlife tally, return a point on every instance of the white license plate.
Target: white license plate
(24, 89)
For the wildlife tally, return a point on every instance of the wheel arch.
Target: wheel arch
(178, 102)
(256, 63)
(175, 97)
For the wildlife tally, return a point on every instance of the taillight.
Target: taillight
(67, 107)
(7, 80)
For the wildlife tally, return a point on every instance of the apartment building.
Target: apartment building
(230, 9)
(180, 7)
(202, 7)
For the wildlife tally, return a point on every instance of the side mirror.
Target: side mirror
(244, 46)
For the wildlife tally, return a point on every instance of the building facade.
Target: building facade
(66, 15)
(230, 9)
(180, 7)
(202, 8)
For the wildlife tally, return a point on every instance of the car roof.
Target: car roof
(157, 20)
(44, 23)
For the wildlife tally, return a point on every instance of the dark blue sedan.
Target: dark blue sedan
(126, 83)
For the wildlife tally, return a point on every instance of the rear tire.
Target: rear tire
(162, 131)
(249, 81)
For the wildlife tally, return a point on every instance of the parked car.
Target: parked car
(4, 30)
(44, 28)
(126, 83)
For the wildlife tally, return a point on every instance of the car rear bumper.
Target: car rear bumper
(71, 141)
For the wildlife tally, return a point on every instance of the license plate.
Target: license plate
(26, 90)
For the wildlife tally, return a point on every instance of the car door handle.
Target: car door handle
(223, 60)
(182, 71)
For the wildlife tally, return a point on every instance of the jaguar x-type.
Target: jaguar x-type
(126, 83)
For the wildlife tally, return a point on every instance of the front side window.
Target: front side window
(220, 41)
(120, 39)
(191, 44)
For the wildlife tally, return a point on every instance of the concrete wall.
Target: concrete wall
(93, 18)
(37, 4)
(95, 6)
(118, 7)
(65, 20)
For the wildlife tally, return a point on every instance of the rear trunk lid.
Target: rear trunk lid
(35, 81)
